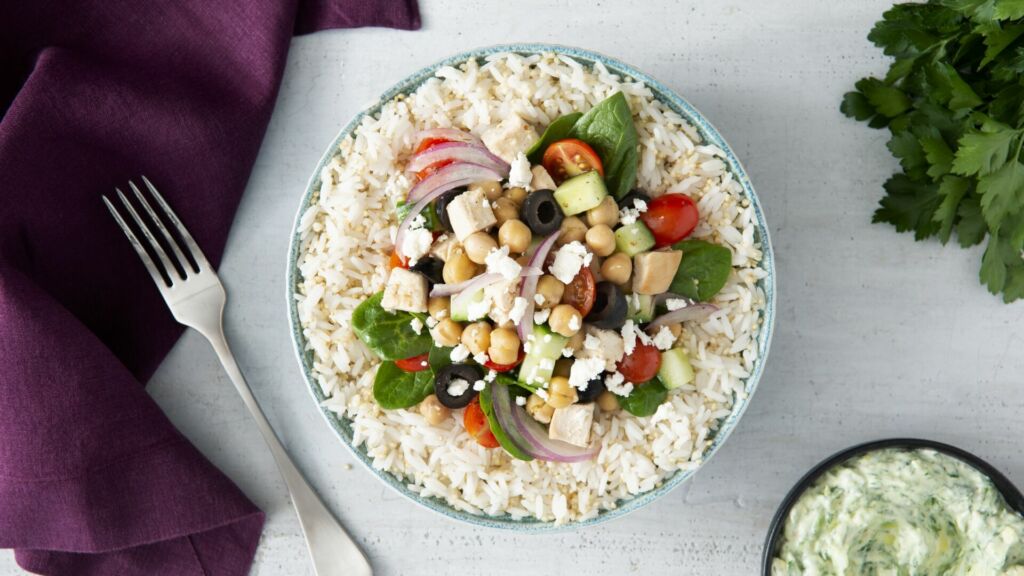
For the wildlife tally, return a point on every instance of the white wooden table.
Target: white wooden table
(877, 336)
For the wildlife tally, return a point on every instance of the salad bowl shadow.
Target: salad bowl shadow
(343, 427)
(773, 541)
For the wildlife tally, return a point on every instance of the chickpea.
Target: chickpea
(504, 348)
(477, 337)
(539, 409)
(561, 393)
(675, 330)
(565, 319)
(601, 240)
(478, 245)
(563, 367)
(516, 194)
(573, 230)
(490, 188)
(458, 267)
(439, 307)
(617, 268)
(551, 289)
(447, 333)
(607, 213)
(434, 412)
(575, 342)
(607, 401)
(515, 235)
(505, 210)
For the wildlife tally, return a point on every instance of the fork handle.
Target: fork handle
(333, 551)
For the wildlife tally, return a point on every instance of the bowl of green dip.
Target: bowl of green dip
(901, 507)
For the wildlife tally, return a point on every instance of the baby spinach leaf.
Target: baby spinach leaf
(440, 356)
(395, 388)
(703, 271)
(645, 398)
(555, 131)
(608, 127)
(388, 334)
(432, 222)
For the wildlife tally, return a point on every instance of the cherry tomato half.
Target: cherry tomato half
(581, 292)
(423, 145)
(476, 424)
(670, 217)
(414, 364)
(641, 365)
(571, 157)
(397, 261)
(506, 367)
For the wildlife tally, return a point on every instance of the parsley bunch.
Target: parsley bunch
(953, 100)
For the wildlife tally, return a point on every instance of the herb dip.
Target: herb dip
(902, 512)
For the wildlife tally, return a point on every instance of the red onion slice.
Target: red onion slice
(440, 290)
(458, 152)
(481, 281)
(529, 286)
(450, 177)
(534, 437)
(691, 312)
(453, 134)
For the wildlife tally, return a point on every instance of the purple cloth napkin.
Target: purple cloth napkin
(93, 477)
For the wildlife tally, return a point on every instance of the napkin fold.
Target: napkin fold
(94, 479)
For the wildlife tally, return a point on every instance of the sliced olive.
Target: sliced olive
(594, 389)
(441, 205)
(451, 374)
(431, 268)
(609, 311)
(541, 213)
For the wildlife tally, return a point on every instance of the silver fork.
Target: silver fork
(196, 298)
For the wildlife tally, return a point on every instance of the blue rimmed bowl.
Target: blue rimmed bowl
(343, 427)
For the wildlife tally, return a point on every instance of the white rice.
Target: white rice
(346, 241)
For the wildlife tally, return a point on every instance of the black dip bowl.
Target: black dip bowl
(1010, 492)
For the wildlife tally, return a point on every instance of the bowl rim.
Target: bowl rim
(1008, 489)
(768, 284)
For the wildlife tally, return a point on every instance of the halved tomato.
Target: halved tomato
(506, 367)
(641, 365)
(571, 157)
(414, 364)
(423, 145)
(581, 292)
(475, 422)
(670, 217)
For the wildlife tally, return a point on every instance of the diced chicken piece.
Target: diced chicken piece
(541, 179)
(406, 290)
(470, 212)
(443, 246)
(502, 296)
(604, 344)
(653, 271)
(572, 424)
(510, 137)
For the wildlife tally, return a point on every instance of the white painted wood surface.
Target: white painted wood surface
(877, 336)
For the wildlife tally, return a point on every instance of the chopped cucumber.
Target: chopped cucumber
(675, 368)
(460, 306)
(581, 193)
(544, 349)
(640, 307)
(487, 405)
(633, 239)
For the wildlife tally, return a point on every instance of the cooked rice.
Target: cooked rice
(347, 236)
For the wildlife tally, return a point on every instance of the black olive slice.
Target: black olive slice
(541, 213)
(609, 311)
(447, 375)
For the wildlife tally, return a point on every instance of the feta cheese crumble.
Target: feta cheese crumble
(616, 384)
(457, 387)
(479, 385)
(629, 215)
(490, 376)
(518, 310)
(499, 262)
(459, 353)
(674, 304)
(584, 370)
(628, 337)
(568, 261)
(417, 241)
(521, 400)
(664, 339)
(541, 316)
(520, 176)
(417, 325)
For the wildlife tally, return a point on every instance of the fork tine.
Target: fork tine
(154, 271)
(190, 243)
(185, 265)
(164, 259)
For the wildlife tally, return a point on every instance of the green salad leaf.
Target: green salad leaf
(608, 128)
(431, 220)
(645, 398)
(555, 131)
(388, 334)
(953, 101)
(395, 388)
(703, 271)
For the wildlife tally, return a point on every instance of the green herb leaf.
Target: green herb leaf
(998, 38)
(856, 105)
(388, 334)
(703, 271)
(1009, 9)
(555, 131)
(938, 155)
(394, 388)
(952, 189)
(889, 101)
(440, 356)
(971, 228)
(909, 206)
(983, 152)
(645, 398)
(1002, 192)
(993, 268)
(608, 128)
(904, 145)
